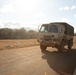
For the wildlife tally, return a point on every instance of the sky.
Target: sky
(33, 13)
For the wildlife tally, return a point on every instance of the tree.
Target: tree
(7, 33)
(32, 34)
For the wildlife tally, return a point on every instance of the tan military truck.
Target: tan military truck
(56, 34)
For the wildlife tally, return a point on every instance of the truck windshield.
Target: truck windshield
(53, 28)
(44, 28)
(49, 28)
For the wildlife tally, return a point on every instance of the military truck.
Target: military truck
(56, 34)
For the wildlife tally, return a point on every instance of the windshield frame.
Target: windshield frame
(44, 31)
(48, 25)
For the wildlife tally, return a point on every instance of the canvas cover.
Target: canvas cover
(69, 30)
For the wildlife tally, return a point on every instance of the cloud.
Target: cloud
(9, 24)
(73, 7)
(65, 20)
(40, 15)
(21, 6)
(23, 10)
(7, 8)
(75, 15)
(64, 8)
(68, 8)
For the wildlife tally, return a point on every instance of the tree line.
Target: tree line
(7, 33)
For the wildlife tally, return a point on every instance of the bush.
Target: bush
(7, 33)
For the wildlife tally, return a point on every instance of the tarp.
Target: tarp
(69, 30)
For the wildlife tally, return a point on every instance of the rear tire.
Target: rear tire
(61, 47)
(42, 47)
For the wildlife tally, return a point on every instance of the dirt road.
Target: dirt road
(31, 61)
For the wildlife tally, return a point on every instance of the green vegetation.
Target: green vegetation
(7, 33)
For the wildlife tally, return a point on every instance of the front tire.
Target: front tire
(61, 47)
(70, 43)
(42, 47)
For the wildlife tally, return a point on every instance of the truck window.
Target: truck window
(44, 28)
(53, 28)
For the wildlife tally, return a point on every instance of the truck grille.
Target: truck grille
(47, 37)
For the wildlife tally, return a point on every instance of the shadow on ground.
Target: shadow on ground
(63, 63)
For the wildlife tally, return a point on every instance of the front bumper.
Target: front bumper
(51, 43)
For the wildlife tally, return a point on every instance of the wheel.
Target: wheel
(69, 46)
(42, 47)
(61, 47)
(70, 43)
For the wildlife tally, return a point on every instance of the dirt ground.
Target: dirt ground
(31, 61)
(8, 44)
